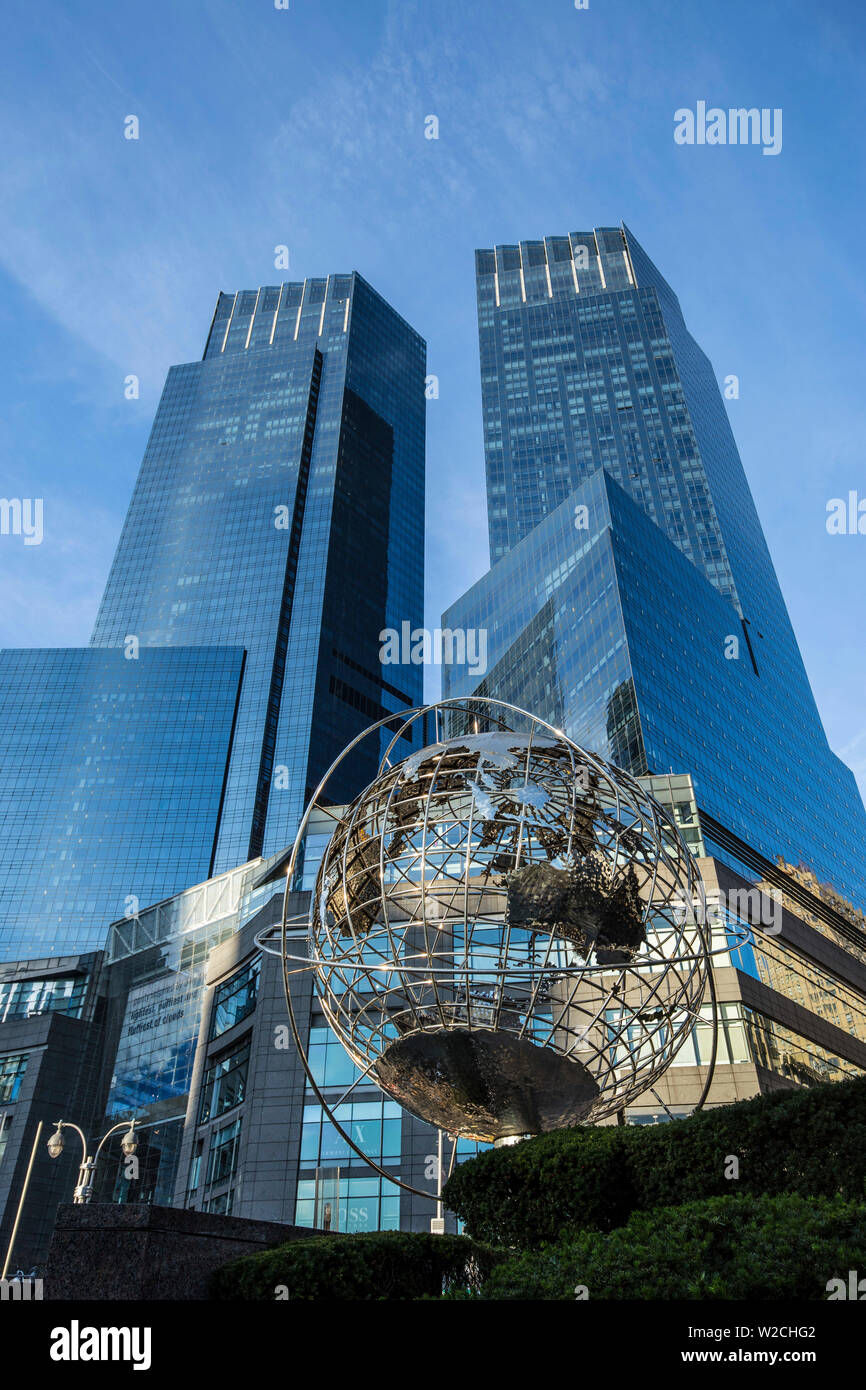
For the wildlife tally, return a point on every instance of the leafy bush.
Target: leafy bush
(534, 1191)
(377, 1265)
(811, 1142)
(746, 1247)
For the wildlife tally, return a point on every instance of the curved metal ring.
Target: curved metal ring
(308, 963)
(407, 1187)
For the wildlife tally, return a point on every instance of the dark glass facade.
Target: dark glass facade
(632, 599)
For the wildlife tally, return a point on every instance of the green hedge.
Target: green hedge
(747, 1247)
(810, 1141)
(378, 1265)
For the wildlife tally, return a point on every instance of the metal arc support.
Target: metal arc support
(693, 953)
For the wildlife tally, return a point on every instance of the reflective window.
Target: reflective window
(5, 1126)
(374, 1125)
(787, 1053)
(225, 1080)
(235, 998)
(194, 1173)
(12, 1069)
(330, 1063)
(221, 1205)
(775, 964)
(732, 1044)
(745, 1035)
(27, 998)
(157, 1042)
(222, 1159)
(339, 1202)
(126, 814)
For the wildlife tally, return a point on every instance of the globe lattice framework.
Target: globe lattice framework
(506, 932)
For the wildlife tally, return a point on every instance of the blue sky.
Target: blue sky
(305, 127)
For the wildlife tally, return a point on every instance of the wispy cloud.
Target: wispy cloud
(124, 242)
(51, 591)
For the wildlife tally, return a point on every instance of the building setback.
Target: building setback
(632, 600)
(280, 507)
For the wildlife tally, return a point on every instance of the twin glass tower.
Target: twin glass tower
(277, 527)
(632, 600)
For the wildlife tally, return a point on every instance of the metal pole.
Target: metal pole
(85, 1182)
(23, 1195)
(439, 1211)
(437, 1222)
(88, 1168)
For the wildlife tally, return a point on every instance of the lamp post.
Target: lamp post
(87, 1171)
(437, 1222)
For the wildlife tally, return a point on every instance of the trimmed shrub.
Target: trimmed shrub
(748, 1247)
(375, 1265)
(535, 1191)
(812, 1142)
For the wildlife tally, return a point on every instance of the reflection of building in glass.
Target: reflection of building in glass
(623, 729)
(111, 780)
(28, 998)
(792, 1001)
(843, 915)
(280, 508)
(156, 968)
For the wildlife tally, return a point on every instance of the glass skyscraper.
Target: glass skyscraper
(276, 528)
(280, 507)
(112, 772)
(632, 599)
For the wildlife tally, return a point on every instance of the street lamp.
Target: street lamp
(129, 1143)
(86, 1172)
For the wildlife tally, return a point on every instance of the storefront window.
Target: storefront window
(339, 1202)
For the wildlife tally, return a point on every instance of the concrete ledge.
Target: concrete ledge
(109, 1251)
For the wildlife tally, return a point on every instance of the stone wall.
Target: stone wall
(108, 1251)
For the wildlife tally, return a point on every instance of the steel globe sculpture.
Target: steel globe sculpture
(506, 932)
